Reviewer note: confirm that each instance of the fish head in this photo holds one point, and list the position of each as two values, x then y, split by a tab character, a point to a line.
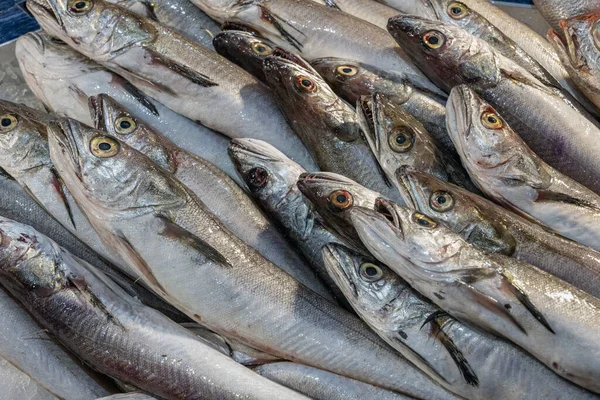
111	117
93	27
245	49
447	54
106	175
457	208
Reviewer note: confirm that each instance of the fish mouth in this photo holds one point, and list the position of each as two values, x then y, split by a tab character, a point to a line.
570	46
294	58
253	148
460	100
60	132
97	105
236	26
313	178
406	187
411	25
366	108
335	265
386	209
45	10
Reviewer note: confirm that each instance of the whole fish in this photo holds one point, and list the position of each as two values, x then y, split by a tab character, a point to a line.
398	139
185	254
64	80
115	333
219	193
540	313
315	31
327	125
183	75
564	138
271	178
511	174
26	349
579	52
494	229
459	357
322	385
555	11
368	10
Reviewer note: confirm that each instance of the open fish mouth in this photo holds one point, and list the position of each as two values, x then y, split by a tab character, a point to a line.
387	210
98	111
46	9
406	187
66	142
252	150
336	267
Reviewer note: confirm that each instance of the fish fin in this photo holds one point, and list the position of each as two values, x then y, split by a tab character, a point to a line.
59	186
140	98
398	338
176	232
550	196
276	21
183	70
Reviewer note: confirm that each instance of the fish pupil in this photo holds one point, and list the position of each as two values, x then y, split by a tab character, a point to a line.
125	124
400	139
6	122
104	146
423	222
306	82
456	10
80	5
341	198
492	120
370	271
347	70
441	199
260	48
434	40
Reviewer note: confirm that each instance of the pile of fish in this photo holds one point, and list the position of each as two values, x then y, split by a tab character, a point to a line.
294	199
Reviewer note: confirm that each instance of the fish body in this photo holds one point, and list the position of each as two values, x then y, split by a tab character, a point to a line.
556	11
368	10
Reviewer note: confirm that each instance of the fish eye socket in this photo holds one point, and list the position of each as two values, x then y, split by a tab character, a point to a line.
340	200
401	139
257	178
434	39
491	120
80	7
457	10
262	49
370	272
346	71
8	122
104	147
424	221
125	125
441	201
305	83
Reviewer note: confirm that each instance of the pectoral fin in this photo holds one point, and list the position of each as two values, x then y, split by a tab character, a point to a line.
550	196
183	70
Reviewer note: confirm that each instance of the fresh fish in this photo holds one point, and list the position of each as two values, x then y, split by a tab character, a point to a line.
327	125
271	178
398	139
511	174
565	137
376	13
64	80
115	333
183	75
579	52
460	358
494	229
185	254
26	349
552	320
322	385
315	31
555	11
219	193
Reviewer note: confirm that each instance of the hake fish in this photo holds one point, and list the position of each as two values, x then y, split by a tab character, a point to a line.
219	193
555	11
183	75
115	333
511	174
185	254
552	320
368	10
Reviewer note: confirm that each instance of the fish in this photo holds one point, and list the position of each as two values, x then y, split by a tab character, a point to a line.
115	333
326	124
579	52
181	74
219	193
322	385
538	312
376	13
64	80
512	175
555	11
397	139
271	179
36	364
564	138
314	31
460	358
188	257
494	229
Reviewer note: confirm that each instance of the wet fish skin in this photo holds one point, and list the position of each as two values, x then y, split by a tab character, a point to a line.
326	124
181	74
368	10
494	229
547	317
511	174
323	385
563	138
115	333
555	11
64	80
128	396
463	359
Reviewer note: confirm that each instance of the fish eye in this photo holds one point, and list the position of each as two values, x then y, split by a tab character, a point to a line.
305	83
457	10
424	221
104	147
257	178
80	7
346	71
370	272
125	125
434	39
340	200
441	201
401	139
262	49
491	120
8	122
